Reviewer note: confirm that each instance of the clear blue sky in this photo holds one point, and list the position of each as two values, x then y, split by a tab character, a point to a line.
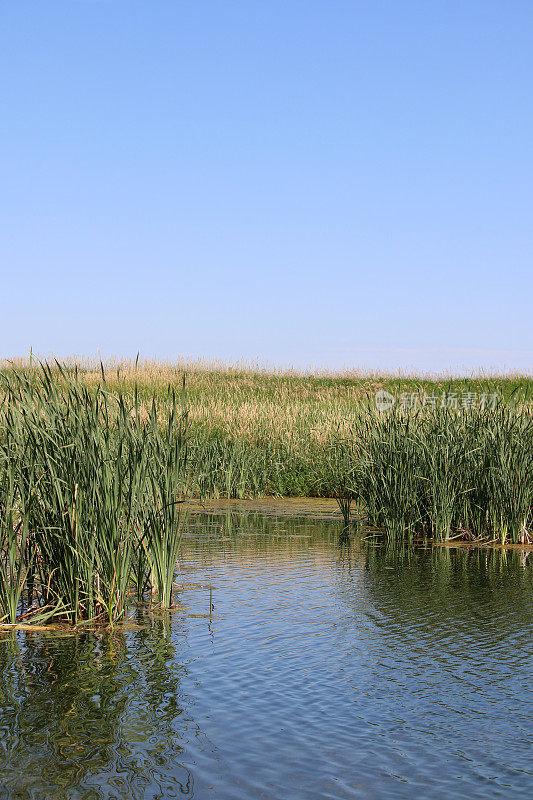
330	182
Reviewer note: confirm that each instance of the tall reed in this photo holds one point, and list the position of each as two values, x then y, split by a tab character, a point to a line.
87	493
166	472
94	467
442	473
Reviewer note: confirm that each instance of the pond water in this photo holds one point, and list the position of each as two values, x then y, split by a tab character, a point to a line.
295	666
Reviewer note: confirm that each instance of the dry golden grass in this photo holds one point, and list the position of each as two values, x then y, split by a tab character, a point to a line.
250	401
258	431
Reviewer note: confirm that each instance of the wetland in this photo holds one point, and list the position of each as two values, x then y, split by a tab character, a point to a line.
295	664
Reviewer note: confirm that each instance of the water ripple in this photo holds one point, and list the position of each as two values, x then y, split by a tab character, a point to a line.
322	672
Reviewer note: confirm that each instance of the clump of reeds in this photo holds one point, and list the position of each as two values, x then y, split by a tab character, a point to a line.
255	431
94	466
444	473
341	461
89	497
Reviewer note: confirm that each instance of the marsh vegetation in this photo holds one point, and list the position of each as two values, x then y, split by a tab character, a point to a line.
95	463
90	498
376	665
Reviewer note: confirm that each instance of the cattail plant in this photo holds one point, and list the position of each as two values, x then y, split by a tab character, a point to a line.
444	473
88	493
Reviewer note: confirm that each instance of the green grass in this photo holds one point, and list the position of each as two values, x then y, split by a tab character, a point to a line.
94	465
443	473
89	498
254	432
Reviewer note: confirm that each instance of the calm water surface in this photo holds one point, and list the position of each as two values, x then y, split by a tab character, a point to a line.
320	671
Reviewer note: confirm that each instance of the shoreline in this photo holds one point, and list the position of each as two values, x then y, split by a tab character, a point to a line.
317	508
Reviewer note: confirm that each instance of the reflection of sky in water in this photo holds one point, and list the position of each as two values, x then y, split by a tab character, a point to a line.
323	671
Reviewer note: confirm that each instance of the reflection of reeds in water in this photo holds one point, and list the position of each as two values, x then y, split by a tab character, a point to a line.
246	539
449	583
103	716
